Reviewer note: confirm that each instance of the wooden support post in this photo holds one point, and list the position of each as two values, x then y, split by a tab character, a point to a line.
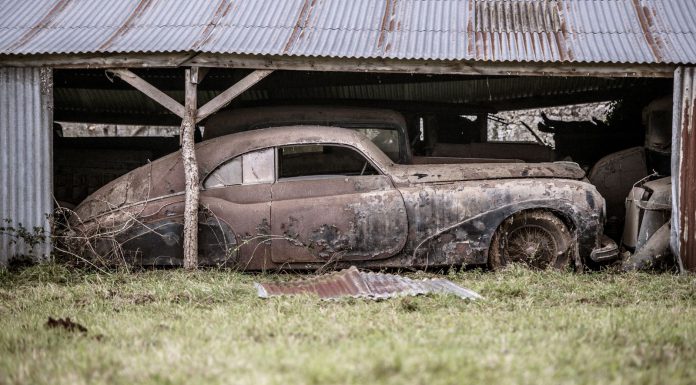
188	154
226	96
683	231
190	115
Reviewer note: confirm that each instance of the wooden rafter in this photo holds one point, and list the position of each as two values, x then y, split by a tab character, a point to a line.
179	110
151	91
228	95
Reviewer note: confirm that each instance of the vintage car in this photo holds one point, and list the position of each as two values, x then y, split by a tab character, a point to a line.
303	197
387	129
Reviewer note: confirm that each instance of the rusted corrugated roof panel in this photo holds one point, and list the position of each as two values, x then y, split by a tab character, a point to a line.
354	283
621	31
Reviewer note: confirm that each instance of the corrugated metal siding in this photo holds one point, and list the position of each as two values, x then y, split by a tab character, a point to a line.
620	31
683	240
25	152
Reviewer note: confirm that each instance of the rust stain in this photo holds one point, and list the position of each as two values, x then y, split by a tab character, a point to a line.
470	37
300	24
539	13
387	24
137	12
509	31
645	24
42	24
687	194
564	49
479	45
222	10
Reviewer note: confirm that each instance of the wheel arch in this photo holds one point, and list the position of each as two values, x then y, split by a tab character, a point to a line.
480	228
570	234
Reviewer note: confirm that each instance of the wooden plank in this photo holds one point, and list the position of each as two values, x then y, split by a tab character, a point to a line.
129	60
228	95
454	67
683	231
151	91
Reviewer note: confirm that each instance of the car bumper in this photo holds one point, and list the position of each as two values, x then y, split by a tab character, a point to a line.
607	251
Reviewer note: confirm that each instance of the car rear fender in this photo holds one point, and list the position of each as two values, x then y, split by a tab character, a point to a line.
158	241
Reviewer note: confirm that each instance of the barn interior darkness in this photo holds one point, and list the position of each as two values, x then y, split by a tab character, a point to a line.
444	114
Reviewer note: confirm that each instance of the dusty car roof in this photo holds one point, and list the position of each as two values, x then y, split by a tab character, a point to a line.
217	150
243	119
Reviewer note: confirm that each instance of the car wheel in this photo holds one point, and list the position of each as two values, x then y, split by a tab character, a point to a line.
535	238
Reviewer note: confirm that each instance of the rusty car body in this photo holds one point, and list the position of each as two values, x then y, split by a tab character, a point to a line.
302	197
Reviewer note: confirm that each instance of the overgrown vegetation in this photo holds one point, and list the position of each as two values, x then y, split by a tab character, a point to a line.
173	326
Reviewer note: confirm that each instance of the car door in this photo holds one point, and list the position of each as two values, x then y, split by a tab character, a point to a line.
238	194
330	203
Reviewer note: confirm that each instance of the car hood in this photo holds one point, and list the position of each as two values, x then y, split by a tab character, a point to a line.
441	173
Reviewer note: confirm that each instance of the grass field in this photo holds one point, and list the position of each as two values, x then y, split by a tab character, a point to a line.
176	327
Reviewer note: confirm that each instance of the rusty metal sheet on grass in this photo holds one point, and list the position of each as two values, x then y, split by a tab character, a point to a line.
358	284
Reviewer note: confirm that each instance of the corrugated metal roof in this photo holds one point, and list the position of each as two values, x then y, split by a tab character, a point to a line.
626	31
358	284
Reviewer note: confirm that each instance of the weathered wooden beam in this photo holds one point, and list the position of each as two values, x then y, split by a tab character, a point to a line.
92	60
228	95
188	155
683	230
453	67
151	91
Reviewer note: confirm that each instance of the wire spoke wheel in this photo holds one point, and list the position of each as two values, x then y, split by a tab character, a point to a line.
532	245
537	239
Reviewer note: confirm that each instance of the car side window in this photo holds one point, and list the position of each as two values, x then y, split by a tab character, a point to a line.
251	168
318	160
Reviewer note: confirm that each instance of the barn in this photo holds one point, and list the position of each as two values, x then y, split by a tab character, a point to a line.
131	61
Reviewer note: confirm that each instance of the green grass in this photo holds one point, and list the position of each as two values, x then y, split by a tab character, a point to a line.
176	327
